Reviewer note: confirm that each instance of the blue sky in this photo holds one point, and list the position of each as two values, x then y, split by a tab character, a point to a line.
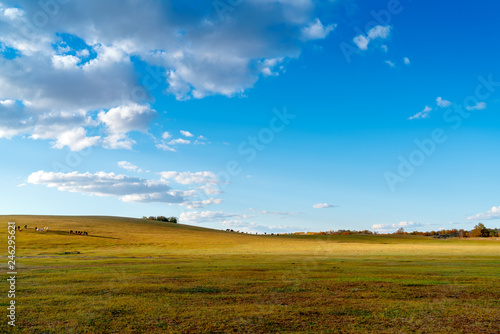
255	115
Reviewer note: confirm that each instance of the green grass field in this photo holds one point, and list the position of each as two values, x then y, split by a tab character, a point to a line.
138	276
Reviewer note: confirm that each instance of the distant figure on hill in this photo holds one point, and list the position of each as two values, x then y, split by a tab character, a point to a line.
25	226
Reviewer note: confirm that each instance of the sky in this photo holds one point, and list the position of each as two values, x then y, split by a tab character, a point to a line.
253	115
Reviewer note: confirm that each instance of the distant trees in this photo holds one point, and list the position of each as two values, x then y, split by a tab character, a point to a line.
162	219
480	231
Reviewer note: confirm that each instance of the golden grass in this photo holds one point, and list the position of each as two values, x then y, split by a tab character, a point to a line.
137	276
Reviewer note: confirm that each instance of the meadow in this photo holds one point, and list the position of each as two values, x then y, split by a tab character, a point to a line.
140	276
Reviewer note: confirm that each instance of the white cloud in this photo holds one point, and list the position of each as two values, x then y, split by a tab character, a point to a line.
393	227
252	227
479	106
165	147
442	103
268	66
210	189
422	114
118	141
128	166
361	41
179	141
166	135
390	63
190	177
317	30
126	118
378	32
11	13
186	134
494	213
278	214
203	203
406	61
324	206
76	140
231	221
385	48
65	62
127	189
195	52
208	216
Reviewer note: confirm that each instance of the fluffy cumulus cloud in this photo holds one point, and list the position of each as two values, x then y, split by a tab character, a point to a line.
128	189
378	32
316	30
393	227
324	206
133	189
73	76
494	213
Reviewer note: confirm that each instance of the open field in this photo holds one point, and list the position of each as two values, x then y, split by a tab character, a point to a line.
133	276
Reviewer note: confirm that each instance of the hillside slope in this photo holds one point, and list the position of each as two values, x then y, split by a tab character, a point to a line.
119	236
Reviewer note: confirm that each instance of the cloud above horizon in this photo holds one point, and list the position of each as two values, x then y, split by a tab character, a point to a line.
494	213
393	227
233	221
130	189
77	72
324	206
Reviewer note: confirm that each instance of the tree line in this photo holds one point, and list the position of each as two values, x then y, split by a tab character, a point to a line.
479	231
162	219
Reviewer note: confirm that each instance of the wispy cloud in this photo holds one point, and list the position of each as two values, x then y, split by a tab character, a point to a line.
393	227
442	103
422	114
494	213
479	106
128	166
324	206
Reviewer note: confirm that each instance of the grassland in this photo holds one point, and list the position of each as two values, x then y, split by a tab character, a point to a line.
136	276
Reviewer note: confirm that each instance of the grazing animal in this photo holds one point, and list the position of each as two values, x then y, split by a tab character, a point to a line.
25	226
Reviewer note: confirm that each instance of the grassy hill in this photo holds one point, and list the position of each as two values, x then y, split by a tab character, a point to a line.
133	275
